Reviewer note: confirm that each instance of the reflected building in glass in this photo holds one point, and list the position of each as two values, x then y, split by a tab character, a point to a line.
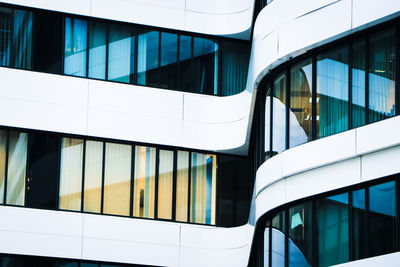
260	133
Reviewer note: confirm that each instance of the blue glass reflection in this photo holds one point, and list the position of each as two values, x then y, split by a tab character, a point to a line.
75	47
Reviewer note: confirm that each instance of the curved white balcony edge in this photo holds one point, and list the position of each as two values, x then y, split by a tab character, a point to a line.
330	163
73	235
231	18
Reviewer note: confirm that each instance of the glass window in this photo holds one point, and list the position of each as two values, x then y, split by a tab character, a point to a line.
169	59
5	35
382	218
93	176
359	225
358	84
278	113
300	239
71	174
332	92
165	184
234	69
145	171
97	50
3	155
266	244
117	179
17	154
121	54
333	230
42	171
278	240
75	47
381	75
148	58
300	111
48	44
186	68
203	188
182	186
205	53
22	39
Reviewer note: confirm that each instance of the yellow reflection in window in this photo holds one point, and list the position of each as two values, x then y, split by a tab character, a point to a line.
165	184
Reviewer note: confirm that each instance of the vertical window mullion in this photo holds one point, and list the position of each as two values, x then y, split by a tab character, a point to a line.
286	234
58	172
397	230
83	176
178	64
270	243
189	185
63	45
132	63
136	55
314	227
132	181
174	185
102	177
156	183
27	170
271	100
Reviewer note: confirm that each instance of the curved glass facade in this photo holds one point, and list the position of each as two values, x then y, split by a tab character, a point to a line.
73	173
332	228
122	52
348	84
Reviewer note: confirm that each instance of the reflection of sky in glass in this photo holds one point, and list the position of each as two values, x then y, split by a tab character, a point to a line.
382	198
169	48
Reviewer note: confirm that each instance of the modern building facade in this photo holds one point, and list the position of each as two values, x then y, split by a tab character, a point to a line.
199	133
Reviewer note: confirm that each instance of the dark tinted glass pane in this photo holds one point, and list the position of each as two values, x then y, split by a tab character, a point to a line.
279	117
97	50
11	261
59	263
382	75
5	35
278	240
382	213
300	103
121	54
300	246
48	46
169	58
332	92
42	175
333	230
235	64
186	68
359	225
75	47
358	82
148	58
205	53
22	40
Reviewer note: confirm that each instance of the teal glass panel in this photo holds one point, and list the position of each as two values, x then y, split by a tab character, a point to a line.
97	50
332	92
358	84
300	239
359	225
169	60
382	218
148	43
381	75
333	230
121	54
278	240
5	35
75	47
